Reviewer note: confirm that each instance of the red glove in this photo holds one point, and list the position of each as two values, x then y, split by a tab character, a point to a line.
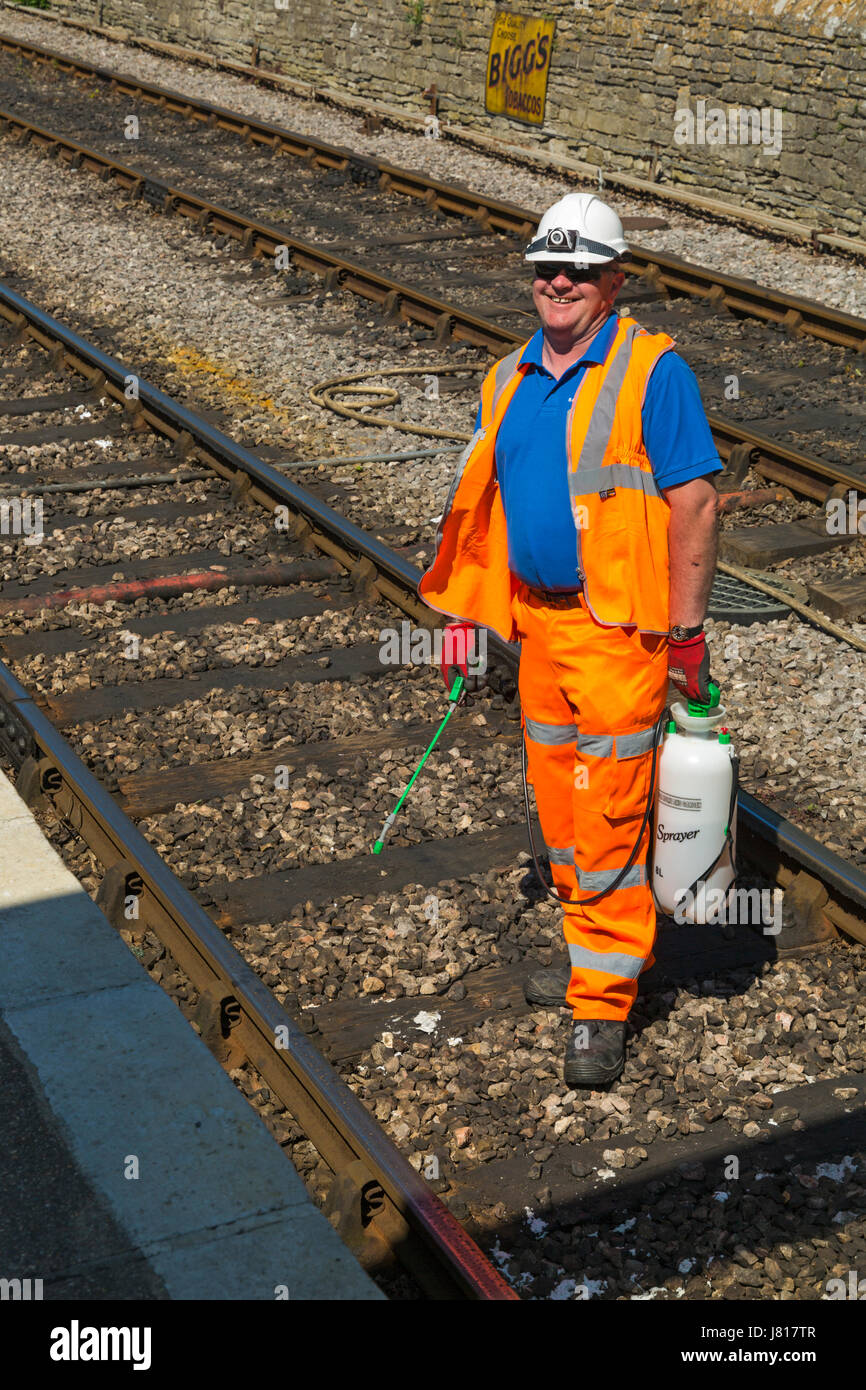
459	644
689	667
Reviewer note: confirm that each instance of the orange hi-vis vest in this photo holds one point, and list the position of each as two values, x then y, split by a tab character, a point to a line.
621	517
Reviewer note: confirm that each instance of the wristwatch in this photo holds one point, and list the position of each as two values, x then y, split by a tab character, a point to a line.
682	634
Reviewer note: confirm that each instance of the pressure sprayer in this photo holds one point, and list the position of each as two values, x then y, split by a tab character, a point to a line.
695	813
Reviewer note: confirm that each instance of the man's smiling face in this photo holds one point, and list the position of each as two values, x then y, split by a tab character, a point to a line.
573	300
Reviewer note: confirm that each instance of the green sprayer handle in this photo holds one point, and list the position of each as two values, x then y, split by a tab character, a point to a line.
453	699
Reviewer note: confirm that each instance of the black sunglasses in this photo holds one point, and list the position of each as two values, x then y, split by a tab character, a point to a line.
548	270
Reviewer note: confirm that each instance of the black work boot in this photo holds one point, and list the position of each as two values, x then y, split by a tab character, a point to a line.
548	986
595	1054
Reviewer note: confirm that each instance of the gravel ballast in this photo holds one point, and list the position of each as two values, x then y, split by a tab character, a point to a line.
830	279
728	1052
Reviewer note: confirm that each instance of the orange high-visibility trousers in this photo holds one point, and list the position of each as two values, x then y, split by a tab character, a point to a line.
591	697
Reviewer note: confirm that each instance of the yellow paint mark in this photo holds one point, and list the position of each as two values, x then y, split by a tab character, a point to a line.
191	363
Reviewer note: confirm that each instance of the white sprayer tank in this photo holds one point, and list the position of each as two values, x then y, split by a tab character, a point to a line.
692	811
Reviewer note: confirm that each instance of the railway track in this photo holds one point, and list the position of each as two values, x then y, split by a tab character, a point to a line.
245	682
668	274
380	1201
472	234
377	115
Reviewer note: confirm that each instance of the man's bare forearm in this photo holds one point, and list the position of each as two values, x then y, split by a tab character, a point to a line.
693	546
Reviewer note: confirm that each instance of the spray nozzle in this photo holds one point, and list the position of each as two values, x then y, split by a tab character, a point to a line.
699	710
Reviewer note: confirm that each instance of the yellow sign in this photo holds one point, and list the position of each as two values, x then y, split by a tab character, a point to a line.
517	67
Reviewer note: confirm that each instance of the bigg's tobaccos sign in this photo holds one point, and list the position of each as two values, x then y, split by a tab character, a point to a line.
517	67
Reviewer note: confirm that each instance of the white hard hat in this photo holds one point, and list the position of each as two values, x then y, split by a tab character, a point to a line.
580	230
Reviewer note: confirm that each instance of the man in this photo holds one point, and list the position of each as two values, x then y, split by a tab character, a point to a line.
582	523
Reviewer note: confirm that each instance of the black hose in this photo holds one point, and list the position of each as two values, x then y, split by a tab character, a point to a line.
586	902
728	840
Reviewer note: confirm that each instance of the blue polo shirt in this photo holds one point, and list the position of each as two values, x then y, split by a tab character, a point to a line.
532	465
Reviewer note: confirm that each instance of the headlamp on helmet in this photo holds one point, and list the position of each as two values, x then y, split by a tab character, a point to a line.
579	230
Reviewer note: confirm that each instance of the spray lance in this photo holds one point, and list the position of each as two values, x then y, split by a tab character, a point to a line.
453	701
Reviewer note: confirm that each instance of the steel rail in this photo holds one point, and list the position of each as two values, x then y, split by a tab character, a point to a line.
367	557
263	238
801	317
713	208
844	878
666	271
738	446
405	1214
409	1217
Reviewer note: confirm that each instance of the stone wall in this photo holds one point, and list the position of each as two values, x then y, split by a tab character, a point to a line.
620	72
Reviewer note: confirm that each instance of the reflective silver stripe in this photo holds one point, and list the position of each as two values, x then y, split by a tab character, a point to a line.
601	421
596	880
608	962
504	372
550	733
631	745
627	745
561	856
625	475
598	434
599	745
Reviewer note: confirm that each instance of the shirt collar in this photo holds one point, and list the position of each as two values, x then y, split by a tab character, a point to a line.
596	351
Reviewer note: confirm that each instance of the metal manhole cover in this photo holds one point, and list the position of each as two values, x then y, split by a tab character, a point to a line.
732	601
